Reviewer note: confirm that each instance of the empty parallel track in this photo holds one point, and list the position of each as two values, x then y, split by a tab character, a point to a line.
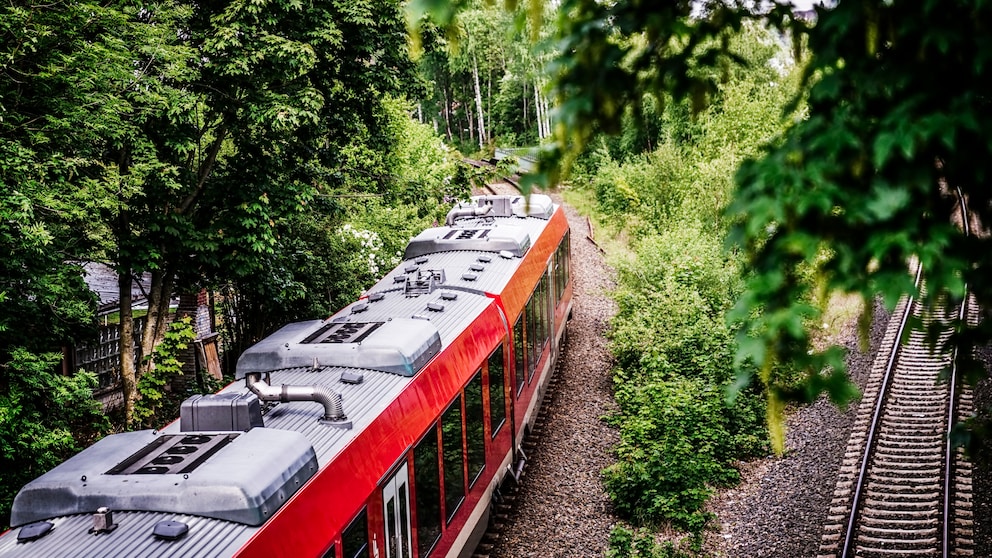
902	489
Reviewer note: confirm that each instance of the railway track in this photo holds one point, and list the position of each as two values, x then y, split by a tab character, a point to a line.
902	490
513	180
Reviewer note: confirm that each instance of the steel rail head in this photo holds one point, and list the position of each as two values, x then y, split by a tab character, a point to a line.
952	407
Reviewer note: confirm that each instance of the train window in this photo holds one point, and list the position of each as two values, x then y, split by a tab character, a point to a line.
561	267
331	553
542	314
427	486
548	305
568	258
538	321
555	267
454	459
518	352
530	336
497	403
355	540
475	433
405	523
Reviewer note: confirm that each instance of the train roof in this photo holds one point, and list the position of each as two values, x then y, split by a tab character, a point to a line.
157	484
479	247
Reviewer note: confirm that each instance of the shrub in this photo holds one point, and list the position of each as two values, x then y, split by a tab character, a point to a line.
676	442
628	543
674	353
157	403
33	436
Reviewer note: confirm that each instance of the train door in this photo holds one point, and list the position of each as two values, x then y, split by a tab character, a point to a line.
396	514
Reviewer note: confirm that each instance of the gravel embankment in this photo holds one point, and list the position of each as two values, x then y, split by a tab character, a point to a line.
777	509
562	510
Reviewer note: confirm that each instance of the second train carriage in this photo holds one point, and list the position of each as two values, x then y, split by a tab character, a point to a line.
382	431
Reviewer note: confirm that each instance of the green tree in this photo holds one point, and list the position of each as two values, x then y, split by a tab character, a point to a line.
326	256
46	229
182	138
45	418
290	107
860	187
197	130
487	79
896	116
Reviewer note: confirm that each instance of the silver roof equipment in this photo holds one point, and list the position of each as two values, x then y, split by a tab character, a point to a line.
397	345
471	226
242	477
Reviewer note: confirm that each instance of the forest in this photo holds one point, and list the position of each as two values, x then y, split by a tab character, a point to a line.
746	164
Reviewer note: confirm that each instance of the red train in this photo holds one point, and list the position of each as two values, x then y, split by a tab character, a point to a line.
383	431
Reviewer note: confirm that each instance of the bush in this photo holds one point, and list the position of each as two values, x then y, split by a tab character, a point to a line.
676	442
689	255
158	403
34	437
627	543
648	187
674	350
674	354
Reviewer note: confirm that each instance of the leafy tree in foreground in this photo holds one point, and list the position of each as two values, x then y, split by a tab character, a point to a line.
45	418
193	132
46	229
897	116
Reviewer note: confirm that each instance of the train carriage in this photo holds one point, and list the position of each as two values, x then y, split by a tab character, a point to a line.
382	431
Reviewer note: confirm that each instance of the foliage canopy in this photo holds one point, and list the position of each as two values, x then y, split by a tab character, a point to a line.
897	116
205	144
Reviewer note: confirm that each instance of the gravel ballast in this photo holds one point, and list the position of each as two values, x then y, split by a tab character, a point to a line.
561	508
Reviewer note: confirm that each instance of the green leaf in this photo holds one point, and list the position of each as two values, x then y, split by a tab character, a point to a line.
887	202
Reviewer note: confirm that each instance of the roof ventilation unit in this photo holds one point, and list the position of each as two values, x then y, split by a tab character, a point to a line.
492	238
242	477
398	346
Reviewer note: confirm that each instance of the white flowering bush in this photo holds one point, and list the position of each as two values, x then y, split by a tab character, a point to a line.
367	248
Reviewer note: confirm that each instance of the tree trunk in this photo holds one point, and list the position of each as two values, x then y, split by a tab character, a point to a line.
129	381
544	112
478	104
470	123
547	116
159	297
489	102
523	123
446	111
537	108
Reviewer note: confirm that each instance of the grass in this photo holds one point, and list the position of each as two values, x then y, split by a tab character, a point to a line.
839	320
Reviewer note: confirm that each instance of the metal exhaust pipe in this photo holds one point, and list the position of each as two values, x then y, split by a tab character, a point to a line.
330	399
463	212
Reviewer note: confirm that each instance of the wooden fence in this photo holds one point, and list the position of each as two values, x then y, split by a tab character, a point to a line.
102	356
